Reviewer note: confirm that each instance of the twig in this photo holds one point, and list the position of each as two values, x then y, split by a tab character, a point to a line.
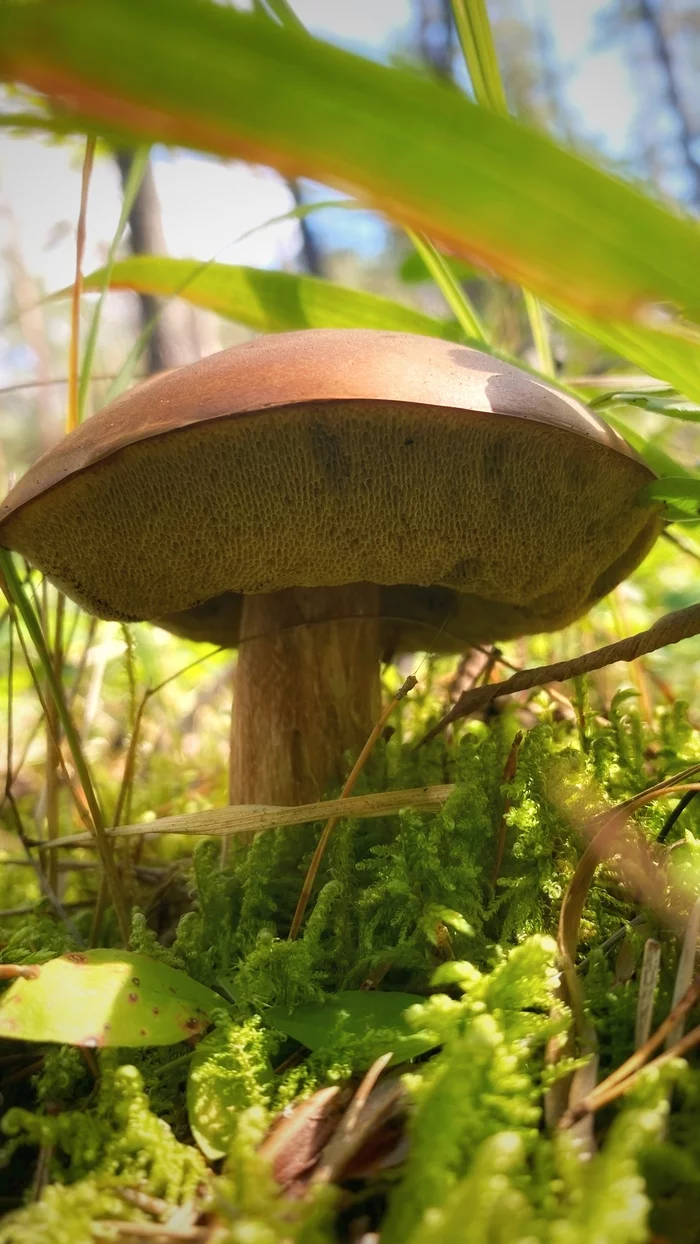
347	789
669	629
349	1136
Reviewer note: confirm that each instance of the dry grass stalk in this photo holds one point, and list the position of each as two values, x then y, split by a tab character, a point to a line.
247	818
622	1079
686	969
651	964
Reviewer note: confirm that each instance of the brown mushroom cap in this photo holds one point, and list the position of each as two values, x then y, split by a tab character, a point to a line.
329	457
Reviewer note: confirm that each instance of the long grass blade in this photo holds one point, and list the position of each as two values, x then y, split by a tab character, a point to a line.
136	173
16	594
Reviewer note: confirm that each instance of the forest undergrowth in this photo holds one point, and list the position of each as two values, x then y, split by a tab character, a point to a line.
461	910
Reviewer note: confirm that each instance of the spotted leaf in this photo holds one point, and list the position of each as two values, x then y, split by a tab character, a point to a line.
106	997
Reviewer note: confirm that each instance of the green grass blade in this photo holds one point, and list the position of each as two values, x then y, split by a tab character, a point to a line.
476	39
665	357
131	189
265	300
452	292
540	333
18	596
231	83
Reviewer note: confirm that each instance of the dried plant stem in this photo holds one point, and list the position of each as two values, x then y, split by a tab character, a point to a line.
686	969
651	964
592	1103
249	818
670	629
622	1078
347	790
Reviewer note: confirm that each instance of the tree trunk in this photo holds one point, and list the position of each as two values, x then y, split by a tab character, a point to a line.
306	691
167	345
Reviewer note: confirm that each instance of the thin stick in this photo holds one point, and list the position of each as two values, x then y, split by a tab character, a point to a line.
669	629
74	353
347	790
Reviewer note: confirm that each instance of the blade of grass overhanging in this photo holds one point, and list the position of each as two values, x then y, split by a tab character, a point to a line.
137	169
476	40
266	300
540	333
285	15
661	356
232	83
479	51
74	352
26	612
457	300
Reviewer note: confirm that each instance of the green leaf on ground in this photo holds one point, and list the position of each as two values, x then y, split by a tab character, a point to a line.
106	997
369	1024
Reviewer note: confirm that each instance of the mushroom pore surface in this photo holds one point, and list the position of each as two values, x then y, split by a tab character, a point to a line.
528	524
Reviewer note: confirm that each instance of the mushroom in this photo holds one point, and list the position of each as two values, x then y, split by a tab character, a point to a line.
317	499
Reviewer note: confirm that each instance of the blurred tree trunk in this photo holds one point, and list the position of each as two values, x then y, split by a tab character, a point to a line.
436	36
168	344
649	14
310	249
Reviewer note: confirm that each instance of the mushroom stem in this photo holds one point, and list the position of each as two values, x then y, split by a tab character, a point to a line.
306	691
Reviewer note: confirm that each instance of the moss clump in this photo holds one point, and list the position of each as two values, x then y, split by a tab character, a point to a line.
412	902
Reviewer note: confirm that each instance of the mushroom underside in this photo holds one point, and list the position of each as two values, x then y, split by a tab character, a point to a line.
318	537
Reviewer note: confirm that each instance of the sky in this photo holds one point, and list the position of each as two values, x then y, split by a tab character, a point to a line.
207	205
